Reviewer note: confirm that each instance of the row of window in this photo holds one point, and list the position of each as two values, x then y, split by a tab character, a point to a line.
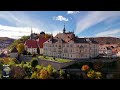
67	45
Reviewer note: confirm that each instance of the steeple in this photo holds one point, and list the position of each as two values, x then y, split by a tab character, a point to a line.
64	30
31	33
51	37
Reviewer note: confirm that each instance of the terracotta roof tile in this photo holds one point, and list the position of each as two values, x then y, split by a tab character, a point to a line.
31	43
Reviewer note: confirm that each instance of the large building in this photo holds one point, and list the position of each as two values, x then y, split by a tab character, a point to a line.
67	45
34	45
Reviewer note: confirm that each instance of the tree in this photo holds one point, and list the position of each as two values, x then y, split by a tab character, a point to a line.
38	51
50	69
34	75
20	47
54	58
17	72
43	74
62	73
34	62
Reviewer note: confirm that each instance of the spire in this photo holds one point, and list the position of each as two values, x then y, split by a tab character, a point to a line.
31	33
51	37
64	28
31	30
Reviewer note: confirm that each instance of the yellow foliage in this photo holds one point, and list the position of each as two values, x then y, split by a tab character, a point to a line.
20	47
43	74
50	69
34	75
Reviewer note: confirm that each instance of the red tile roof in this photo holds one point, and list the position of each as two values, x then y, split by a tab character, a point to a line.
41	41
31	43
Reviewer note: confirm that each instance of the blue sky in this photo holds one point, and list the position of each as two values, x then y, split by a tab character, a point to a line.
15	24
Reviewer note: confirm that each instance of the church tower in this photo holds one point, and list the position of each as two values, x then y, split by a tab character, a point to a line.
31	36
64	30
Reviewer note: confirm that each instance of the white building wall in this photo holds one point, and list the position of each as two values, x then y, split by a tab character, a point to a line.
13	55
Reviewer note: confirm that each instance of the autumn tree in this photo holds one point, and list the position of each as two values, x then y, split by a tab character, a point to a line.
43	74
47	35
17	72
50	69
20	47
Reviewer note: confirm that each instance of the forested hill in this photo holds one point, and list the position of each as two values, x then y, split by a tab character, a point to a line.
107	40
3	39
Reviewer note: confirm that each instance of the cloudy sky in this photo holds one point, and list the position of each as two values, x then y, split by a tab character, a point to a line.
15	24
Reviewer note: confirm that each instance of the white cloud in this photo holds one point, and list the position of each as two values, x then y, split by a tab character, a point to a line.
93	18
19	18
16	32
60	18
73	12
108	33
22	24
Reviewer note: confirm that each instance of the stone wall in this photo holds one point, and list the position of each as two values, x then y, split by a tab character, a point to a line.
56	65
25	58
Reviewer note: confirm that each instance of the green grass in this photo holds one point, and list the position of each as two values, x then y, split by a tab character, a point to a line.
56	59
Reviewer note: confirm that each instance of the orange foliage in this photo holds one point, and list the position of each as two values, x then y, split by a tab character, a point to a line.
85	67
43	74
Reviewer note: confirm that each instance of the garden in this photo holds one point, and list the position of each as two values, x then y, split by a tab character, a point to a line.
60	60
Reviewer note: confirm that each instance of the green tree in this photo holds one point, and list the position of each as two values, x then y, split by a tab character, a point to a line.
62	73
34	62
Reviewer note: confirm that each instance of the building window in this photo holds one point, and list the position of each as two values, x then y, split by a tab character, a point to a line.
67	45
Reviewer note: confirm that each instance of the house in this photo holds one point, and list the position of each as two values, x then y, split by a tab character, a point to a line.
105	50
35	46
14	53
40	42
67	45
31	46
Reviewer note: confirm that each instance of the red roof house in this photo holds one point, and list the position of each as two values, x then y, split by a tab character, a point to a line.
31	43
41	41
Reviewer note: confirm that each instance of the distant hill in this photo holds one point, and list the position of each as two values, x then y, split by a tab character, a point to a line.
5	42
107	40
2	39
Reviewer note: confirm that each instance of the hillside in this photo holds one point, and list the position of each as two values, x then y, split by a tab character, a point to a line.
107	40
2	39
